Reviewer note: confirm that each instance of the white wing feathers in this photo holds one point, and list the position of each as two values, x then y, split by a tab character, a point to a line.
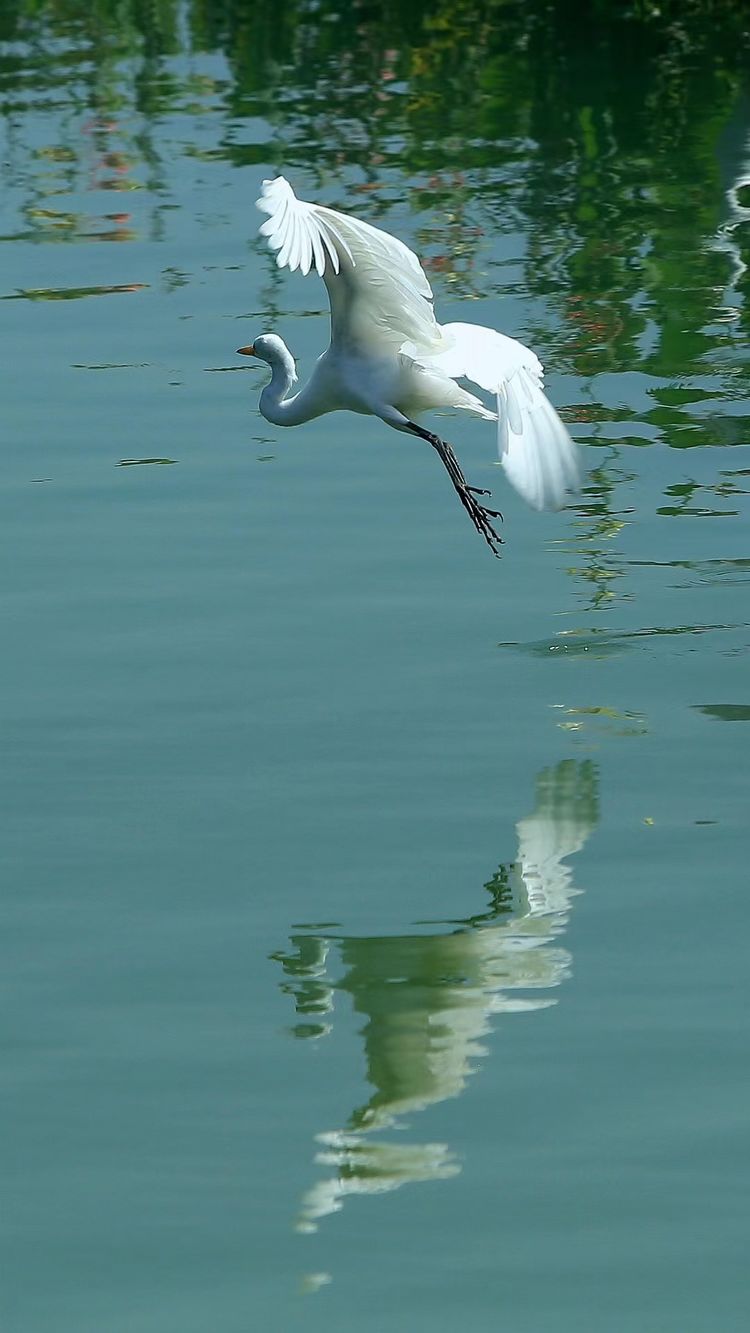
534	446
536	451
381	302
300	233
376	285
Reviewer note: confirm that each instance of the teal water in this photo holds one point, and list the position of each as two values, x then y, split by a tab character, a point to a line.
374	911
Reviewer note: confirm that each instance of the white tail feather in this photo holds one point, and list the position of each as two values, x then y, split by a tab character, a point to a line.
534	447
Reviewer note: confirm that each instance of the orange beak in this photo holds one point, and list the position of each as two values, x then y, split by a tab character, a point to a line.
246	351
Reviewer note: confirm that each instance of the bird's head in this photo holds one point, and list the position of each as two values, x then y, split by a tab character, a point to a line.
272	349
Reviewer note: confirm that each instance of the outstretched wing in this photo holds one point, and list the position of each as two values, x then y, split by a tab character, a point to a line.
380	297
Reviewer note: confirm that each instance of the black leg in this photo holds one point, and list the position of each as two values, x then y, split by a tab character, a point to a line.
479	515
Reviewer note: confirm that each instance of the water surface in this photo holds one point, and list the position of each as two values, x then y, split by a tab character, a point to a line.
374	910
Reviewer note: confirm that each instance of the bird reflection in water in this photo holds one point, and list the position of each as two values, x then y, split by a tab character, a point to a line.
427	999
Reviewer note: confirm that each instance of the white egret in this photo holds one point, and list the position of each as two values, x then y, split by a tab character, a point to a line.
388	357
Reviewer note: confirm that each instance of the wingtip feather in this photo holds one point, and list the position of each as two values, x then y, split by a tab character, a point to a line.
541	460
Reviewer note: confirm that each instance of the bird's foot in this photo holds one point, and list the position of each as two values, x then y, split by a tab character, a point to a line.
475	490
479	514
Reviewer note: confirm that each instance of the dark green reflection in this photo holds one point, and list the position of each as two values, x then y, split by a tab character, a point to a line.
71	293
427	998
625	173
726	712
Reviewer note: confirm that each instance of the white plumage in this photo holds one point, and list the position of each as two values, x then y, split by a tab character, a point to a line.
389	357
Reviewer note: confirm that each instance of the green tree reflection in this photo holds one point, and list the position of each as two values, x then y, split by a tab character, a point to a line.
589	157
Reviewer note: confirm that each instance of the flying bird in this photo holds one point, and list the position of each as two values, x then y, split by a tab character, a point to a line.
388	357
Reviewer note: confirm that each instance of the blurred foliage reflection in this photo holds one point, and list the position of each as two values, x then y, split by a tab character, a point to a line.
590	160
615	169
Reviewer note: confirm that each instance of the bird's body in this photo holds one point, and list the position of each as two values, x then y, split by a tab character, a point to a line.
388	357
346	381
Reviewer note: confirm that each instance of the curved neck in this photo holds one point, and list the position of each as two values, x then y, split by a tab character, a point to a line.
274	404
